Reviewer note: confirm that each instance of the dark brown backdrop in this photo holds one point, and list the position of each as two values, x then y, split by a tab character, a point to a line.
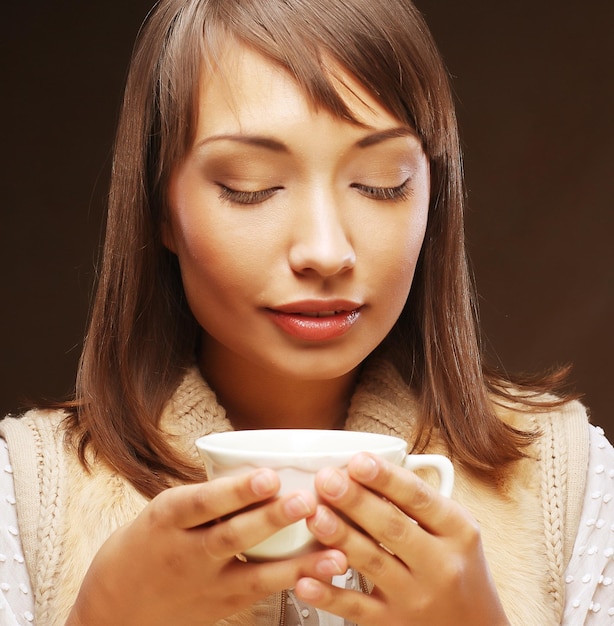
536	96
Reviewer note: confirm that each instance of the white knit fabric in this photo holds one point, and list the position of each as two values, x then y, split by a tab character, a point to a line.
16	601
590	574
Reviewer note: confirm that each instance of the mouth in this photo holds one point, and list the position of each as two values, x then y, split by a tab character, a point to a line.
317	321
319	313
319	308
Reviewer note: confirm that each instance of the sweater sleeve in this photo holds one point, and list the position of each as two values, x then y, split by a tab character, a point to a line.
590	574
16	602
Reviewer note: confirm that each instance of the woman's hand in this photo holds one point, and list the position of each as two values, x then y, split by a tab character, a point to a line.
175	563
431	572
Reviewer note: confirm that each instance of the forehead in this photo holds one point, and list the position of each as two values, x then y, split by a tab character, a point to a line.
244	88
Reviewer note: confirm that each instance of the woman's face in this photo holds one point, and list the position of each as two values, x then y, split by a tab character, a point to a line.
297	233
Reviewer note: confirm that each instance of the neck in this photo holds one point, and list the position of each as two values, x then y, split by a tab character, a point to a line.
254	398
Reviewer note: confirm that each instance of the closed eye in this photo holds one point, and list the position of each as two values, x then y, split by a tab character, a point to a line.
238	196
400	192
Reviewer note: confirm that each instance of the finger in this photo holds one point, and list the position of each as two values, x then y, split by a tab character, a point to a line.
412	495
388	529
436	515
354	606
248	528
365	553
189	506
259	580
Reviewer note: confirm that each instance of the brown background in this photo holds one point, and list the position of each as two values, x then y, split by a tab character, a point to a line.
534	82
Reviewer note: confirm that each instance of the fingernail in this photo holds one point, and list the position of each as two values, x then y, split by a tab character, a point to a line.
329	567
308	589
263	483
325	523
365	467
297	507
335	483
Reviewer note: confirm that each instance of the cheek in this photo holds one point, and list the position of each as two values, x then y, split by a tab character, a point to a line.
398	249
398	255
399	278
212	262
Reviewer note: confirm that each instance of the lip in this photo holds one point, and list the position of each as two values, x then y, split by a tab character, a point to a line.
316	320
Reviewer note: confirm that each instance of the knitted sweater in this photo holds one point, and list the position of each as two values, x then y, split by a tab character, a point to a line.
528	522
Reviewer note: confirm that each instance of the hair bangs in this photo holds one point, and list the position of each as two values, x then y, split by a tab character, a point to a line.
387	50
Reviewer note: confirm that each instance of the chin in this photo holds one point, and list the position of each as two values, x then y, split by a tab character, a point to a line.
319	367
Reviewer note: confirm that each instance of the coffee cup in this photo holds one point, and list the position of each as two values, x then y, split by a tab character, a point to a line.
297	455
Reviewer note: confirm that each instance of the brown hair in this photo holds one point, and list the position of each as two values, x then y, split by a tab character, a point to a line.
142	335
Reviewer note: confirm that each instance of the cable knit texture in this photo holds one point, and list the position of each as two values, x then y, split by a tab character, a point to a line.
528	522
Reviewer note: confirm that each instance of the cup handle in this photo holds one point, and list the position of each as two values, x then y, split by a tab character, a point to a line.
440	463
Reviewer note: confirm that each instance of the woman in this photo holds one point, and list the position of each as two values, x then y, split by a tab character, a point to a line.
285	249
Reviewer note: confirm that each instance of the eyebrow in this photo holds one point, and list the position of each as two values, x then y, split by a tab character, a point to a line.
259	141
274	145
383	135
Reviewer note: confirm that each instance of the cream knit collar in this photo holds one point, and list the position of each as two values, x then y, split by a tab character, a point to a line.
380	403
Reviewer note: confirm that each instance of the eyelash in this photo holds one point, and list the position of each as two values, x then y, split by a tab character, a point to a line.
245	197
390	194
400	192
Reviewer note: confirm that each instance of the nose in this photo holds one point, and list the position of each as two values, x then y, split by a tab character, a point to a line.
321	243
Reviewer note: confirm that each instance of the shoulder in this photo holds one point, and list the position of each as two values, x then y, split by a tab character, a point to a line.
524	410
34	445
562	428
38	415
561	452
34	425
35	441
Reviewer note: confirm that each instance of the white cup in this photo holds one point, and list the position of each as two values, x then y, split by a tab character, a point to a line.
297	455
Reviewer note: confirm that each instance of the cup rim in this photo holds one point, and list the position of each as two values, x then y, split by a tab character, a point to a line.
216	443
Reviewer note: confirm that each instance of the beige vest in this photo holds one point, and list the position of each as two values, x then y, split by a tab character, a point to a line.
528	524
